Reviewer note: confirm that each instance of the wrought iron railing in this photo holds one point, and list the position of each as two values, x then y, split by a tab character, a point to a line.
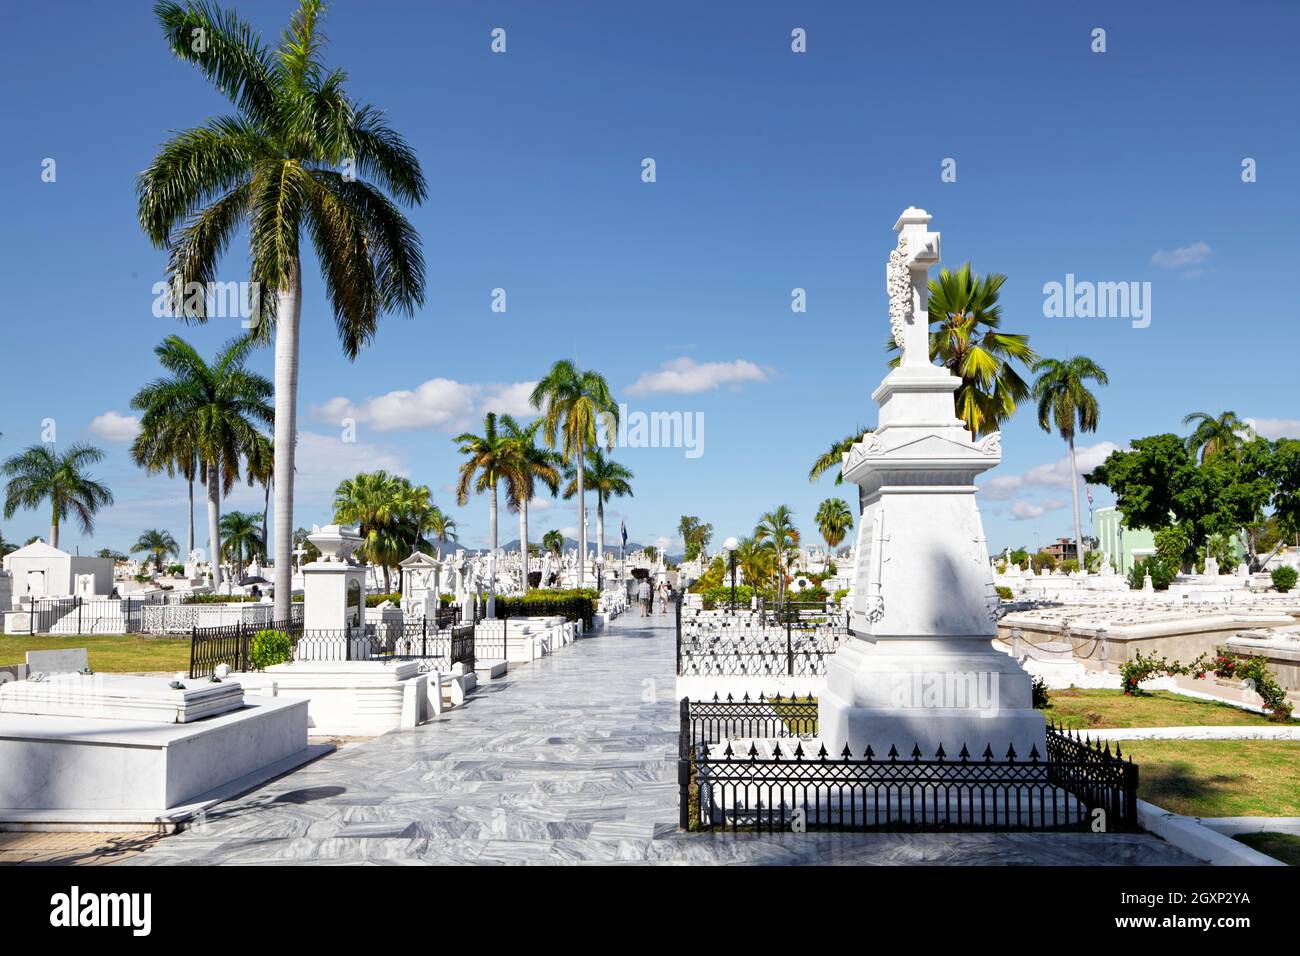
418	640
754	644
753	765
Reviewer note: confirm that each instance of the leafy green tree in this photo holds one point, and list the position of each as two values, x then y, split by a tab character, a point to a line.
695	535
39	474
157	543
834	519
966	337
220	407
1061	390
832	459
241	539
293	160
572	401
378	503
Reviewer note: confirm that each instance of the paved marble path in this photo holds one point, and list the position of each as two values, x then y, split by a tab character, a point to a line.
569	759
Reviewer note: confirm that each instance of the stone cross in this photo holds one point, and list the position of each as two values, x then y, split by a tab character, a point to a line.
908	285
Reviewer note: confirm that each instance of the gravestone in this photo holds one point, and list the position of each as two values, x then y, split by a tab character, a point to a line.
64	660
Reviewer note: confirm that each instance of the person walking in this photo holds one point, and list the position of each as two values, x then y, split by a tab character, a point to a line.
663	597
643	595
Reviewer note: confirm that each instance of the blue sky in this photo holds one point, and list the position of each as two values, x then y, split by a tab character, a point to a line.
775	170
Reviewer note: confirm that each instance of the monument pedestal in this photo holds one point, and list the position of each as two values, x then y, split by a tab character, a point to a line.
921	670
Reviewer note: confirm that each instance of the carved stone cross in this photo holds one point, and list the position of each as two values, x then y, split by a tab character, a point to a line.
908	285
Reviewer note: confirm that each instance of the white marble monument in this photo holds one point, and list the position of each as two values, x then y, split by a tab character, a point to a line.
921	669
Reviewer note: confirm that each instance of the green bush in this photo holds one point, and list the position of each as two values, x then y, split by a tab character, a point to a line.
1172	547
1254	671
269	647
1143	667
374	600
1284	578
1043	559
571	603
1069	565
841	594
1004	593
1042	699
1161	574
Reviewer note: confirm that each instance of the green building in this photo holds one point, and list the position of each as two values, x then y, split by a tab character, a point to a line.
1123	546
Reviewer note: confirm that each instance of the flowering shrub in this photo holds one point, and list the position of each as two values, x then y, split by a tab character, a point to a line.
1145	667
1257	677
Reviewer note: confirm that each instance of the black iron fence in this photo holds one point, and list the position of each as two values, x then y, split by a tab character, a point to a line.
757	645
755	765
237	645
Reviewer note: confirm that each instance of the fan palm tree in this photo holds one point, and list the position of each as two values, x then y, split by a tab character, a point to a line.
776	532
531	464
967	339
834	519
833	457
241	539
608	479
755	562
39	474
1063	398
441	525
157	543
1213	435
273	166
572	401
219	405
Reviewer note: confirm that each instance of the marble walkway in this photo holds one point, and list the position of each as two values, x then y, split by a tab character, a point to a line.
569	759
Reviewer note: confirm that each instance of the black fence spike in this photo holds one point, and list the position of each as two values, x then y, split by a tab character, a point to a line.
893	752
965	754
730	700
1118	755
870	754
753	751
1011	752
1033	753
916	751
762	697
846	753
776	750
729	752
821	753
939	754
988	751
716	699
798	751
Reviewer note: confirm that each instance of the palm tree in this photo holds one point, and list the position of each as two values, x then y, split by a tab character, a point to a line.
170	450
373	500
834	519
219	406
241	539
40	474
776	532
755	562
491	457
553	542
966	338
695	535
441	525
274	167
156	543
608	479
1063	397
573	401
833	457
531	464
1212	436
651	553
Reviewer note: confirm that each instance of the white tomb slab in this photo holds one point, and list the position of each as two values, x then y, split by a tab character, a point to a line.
121	697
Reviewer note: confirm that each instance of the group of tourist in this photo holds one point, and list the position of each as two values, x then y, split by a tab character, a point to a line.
646	594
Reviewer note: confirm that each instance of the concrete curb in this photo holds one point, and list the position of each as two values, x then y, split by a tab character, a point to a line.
1194	733
1192	836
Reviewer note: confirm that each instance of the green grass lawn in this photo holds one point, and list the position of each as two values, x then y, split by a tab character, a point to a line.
1280	846
118	653
1219	778
1089	709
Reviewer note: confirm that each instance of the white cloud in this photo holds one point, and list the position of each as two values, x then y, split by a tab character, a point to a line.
685	376
1275	428
1057	474
1182	257
112	426
570	532
437	403
1023	510
1001	487
322	461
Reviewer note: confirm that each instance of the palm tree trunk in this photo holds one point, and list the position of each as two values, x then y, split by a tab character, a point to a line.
1074	489
523	540
189	548
492	554
266	508
54	523
600	528
287	318
214	523
582	518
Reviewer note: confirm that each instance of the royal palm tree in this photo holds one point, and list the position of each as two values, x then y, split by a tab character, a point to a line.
529	465
967	339
220	406
608	479
833	457
776	532
695	535
572	401
441	525
1213	435
834	519
241	539
172	451
1061	391
39	474
490	458
755	562
293	160
156	543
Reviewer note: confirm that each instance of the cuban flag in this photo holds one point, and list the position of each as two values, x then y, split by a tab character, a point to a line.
622	529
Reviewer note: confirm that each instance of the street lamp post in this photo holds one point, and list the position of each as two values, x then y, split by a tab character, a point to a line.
730	546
